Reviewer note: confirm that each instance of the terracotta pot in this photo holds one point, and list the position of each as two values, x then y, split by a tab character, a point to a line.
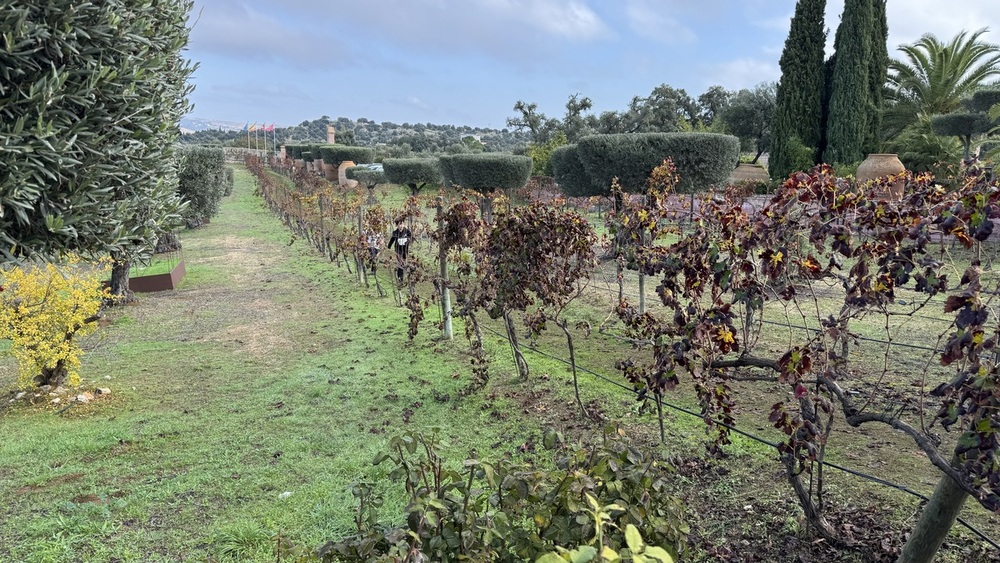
342	174
879	166
330	172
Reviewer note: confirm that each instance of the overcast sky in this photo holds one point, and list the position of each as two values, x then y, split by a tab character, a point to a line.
466	62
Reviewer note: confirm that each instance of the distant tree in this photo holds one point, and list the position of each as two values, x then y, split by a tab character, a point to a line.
713	104
539	127
574	124
750	115
878	73
851	103
94	93
541	154
798	101
473	144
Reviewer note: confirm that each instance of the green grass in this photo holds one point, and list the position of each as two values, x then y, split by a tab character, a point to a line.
267	372
272	371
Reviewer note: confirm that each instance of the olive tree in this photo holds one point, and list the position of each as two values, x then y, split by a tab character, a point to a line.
92	97
415	173
702	159
369	177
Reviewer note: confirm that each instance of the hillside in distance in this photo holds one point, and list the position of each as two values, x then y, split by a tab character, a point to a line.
399	139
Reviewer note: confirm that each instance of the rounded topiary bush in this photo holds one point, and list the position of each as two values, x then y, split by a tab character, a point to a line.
491	171
370	177
570	174
336	154
295	150
413	172
702	159
447	169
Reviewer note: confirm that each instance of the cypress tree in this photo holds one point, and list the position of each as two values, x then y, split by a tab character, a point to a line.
798	106
851	102
878	70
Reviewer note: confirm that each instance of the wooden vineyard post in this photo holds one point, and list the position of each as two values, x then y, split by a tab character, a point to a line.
445	292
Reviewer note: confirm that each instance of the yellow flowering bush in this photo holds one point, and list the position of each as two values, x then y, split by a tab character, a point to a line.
44	310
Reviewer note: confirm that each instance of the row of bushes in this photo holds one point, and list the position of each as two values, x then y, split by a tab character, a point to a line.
583	169
203	180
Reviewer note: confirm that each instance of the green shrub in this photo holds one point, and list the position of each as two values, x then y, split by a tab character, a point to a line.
491	171
228	182
306	154
201	182
800	157
702	159
569	173
413	172
486	510
295	151
447	169
335	154
369	177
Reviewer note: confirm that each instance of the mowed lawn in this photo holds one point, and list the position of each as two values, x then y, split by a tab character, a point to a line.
243	406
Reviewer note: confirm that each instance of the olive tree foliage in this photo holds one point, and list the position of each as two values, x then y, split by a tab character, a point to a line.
570	174
749	116
90	99
201	182
702	159
489	172
336	154
415	173
368	177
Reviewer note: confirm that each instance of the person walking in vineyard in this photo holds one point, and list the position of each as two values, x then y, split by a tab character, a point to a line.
400	237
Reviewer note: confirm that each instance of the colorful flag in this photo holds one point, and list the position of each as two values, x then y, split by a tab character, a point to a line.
253	127
270	128
245	125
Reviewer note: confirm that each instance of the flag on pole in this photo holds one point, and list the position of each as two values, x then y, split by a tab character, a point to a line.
253	127
270	128
245	126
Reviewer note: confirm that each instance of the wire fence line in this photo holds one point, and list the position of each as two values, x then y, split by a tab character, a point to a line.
614	291
853	472
748	435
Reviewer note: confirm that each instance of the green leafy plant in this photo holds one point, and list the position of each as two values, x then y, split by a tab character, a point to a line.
504	512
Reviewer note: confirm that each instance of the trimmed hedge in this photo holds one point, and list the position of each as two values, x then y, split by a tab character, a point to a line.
413	172
336	154
367	176
702	159
960	124
447	169
202	181
983	100
295	151
569	173
491	171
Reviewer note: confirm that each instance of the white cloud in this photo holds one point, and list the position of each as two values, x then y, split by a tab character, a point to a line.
743	73
653	21
568	19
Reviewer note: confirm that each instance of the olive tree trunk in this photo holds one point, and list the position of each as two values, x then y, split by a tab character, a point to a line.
120	292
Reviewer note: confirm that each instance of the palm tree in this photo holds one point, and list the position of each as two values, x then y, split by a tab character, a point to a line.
934	77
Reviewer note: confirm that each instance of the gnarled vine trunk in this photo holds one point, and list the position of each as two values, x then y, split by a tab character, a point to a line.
522	364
